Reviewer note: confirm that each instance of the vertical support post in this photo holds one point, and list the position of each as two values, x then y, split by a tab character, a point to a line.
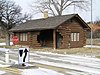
91	26
54	39
7	55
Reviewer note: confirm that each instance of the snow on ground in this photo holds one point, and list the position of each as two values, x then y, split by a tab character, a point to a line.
40	71
2	44
89	65
72	59
93	46
3	65
2	72
70	66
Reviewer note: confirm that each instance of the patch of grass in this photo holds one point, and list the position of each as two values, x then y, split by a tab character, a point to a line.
98	57
96	41
2	40
11	47
76	51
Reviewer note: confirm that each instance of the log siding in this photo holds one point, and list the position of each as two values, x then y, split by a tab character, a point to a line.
67	31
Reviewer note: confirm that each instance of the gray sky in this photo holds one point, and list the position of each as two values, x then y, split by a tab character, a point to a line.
25	4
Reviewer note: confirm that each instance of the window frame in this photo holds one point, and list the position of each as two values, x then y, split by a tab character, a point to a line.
23	37
75	36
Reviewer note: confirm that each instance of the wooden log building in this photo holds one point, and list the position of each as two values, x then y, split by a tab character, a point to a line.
67	31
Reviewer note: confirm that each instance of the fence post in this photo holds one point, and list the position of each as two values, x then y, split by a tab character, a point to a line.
7	55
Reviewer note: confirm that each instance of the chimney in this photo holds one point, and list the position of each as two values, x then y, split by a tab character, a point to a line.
45	14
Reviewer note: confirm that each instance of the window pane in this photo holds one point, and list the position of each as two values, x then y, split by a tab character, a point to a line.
71	36
23	36
77	36
26	36
74	36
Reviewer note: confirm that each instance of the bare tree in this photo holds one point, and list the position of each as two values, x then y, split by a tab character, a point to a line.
10	14
56	7
97	21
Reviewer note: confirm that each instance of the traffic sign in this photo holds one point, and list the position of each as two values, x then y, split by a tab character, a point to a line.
15	40
23	55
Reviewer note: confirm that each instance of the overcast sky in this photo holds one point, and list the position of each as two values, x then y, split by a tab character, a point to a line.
26	6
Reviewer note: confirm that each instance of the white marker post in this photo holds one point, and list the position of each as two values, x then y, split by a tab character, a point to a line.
6	51
23	56
7	55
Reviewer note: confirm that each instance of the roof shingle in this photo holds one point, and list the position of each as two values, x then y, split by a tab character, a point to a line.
42	24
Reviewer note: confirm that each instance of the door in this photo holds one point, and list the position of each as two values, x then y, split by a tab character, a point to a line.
59	40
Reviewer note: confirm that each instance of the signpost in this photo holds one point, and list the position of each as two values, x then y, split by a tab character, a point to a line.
23	56
23	53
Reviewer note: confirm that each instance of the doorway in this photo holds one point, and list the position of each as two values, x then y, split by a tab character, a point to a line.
59	40
46	38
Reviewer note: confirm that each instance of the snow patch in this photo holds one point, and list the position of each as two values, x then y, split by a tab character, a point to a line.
1	65
2	72
93	46
3	44
4	65
40	71
70	66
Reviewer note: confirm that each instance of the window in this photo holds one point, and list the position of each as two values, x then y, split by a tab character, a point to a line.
23	36
74	36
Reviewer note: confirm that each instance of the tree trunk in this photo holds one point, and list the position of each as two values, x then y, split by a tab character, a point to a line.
7	38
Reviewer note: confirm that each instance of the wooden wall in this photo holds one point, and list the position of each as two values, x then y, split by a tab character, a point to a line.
69	27
33	42
22	42
76	27
31	39
65	31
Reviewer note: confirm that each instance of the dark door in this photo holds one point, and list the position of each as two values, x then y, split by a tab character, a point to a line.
59	40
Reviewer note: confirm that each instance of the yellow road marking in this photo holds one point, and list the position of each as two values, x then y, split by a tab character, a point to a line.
13	70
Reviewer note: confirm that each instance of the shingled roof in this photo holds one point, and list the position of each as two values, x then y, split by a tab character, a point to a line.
44	23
